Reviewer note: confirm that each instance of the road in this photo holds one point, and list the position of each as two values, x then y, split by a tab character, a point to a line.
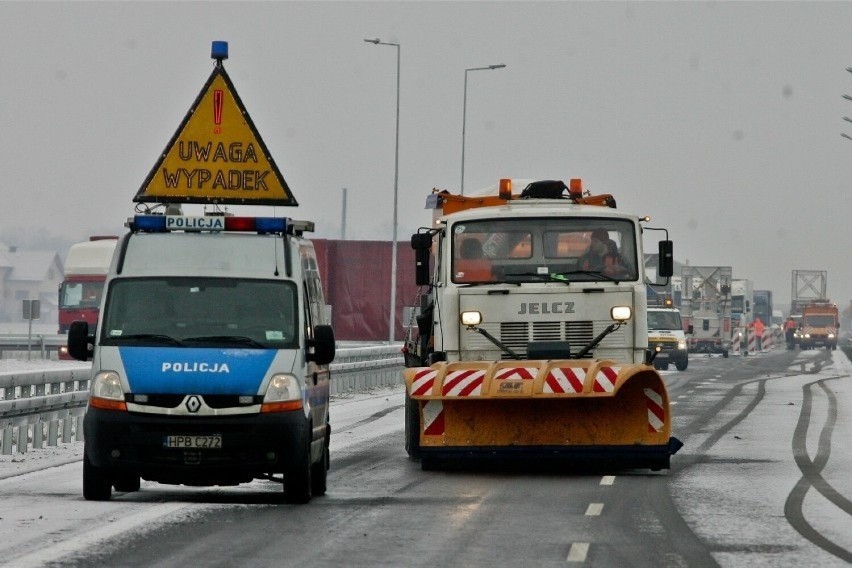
763	480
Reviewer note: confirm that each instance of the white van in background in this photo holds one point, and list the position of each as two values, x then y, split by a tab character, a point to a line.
665	330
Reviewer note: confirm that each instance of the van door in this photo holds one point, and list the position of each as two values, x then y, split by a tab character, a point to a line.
317	376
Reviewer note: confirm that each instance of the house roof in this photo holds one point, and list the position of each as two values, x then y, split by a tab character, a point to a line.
32	266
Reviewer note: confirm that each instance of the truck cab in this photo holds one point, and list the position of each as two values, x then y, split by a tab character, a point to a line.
523	266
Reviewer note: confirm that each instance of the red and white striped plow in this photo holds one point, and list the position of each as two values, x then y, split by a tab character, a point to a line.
463	382
605	378
656	411
564	380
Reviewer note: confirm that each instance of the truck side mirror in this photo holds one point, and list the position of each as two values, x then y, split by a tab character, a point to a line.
666	259
322	350
422	244
80	342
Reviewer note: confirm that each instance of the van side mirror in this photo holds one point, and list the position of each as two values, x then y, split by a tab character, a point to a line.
80	342
422	244
321	350
666	259
689	329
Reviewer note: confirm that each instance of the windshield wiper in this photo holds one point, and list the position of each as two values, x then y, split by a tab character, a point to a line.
238	339
551	277
157	337
597	273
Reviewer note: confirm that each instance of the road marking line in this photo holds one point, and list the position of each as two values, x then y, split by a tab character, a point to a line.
594	509
607	480
578	552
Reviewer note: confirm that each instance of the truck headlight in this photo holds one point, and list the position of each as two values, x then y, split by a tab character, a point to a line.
807	335
471	319
620	313
831	336
282	394
106	392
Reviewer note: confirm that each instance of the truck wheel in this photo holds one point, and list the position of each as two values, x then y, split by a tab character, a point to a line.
126	482
681	365
97	484
319	471
412	427
297	482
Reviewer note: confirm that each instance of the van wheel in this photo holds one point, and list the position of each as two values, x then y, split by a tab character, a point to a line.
297	482
126	482
681	365
97	484
412	427
319	471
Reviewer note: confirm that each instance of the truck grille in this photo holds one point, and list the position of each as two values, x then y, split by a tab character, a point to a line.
516	335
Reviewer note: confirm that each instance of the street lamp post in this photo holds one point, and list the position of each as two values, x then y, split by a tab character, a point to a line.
464	113
392	319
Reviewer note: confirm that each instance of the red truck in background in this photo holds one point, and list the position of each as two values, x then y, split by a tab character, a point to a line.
85	272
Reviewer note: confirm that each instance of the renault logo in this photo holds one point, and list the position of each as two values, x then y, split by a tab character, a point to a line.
193	404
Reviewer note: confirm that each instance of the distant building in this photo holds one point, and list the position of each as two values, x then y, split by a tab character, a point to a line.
29	275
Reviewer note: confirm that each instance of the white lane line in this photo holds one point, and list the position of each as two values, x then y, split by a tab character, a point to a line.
594	509
578	552
607	480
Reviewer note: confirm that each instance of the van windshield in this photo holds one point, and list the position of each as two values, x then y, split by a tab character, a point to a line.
201	312
664	320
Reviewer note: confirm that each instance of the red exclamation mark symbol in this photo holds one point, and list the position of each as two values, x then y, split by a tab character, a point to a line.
217	110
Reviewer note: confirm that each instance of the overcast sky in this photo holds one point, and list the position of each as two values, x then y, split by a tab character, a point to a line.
720	120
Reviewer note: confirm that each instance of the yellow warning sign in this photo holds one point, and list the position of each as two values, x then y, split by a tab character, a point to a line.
216	156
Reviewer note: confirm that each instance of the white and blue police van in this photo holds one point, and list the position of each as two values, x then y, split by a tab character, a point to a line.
210	358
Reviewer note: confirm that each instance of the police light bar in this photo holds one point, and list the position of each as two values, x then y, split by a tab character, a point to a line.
167	223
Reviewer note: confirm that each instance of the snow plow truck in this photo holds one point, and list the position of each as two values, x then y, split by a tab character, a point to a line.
531	343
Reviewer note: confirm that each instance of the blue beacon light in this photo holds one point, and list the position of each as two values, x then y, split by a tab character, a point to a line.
219	50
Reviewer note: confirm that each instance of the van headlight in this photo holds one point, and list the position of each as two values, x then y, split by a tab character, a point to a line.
283	393
681	344
106	392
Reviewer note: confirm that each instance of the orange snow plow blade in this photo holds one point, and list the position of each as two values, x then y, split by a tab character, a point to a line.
582	412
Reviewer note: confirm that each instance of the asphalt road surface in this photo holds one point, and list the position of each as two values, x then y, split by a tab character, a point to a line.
763	480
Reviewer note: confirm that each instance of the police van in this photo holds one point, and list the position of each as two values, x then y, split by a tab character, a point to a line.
210	358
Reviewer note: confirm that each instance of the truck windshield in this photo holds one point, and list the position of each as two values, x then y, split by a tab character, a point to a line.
529	249
664	320
201	312
819	320
86	294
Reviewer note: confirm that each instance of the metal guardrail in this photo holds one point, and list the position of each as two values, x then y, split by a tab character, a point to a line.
40	345
48	406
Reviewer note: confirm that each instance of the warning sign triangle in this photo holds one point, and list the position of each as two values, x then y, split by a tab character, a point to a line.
216	156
